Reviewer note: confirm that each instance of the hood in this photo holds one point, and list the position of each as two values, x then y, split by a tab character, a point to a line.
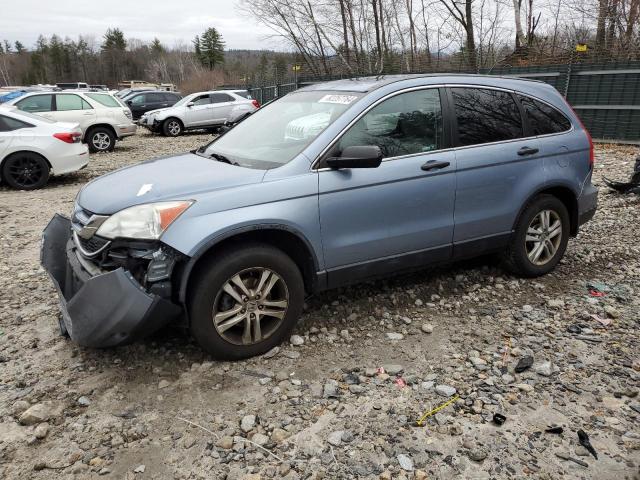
179	177
157	110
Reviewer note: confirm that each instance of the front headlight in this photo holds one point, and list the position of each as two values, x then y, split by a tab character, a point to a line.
147	221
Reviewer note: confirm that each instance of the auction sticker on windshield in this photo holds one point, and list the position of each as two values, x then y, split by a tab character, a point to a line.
341	99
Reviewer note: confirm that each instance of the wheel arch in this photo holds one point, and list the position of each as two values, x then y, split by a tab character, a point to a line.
298	248
99	125
562	192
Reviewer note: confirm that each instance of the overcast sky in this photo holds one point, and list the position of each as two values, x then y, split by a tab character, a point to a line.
169	20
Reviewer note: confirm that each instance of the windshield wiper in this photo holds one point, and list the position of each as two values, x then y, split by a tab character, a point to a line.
221	158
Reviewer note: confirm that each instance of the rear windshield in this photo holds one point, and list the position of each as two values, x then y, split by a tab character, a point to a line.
21	114
104	99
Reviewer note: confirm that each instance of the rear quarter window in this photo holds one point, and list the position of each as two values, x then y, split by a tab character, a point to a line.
543	119
103	99
8	124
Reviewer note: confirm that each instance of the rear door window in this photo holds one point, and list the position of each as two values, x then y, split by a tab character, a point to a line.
486	116
155	97
543	119
66	102
221	97
36	103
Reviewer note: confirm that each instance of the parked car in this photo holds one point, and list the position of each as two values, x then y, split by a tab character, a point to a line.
102	118
199	110
127	91
73	86
33	148
332	184
143	102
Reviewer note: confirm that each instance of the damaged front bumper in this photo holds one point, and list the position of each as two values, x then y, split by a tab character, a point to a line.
101	310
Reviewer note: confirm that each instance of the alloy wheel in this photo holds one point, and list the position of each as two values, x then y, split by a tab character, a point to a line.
174	128
250	306
544	236
25	171
101	141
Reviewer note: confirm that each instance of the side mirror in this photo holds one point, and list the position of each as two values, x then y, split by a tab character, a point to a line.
190	104
129	102
366	156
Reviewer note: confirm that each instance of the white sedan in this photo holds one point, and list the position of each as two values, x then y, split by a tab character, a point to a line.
33	148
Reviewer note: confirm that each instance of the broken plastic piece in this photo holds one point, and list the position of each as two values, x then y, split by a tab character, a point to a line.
400	382
555	429
574	329
524	364
583	438
499	419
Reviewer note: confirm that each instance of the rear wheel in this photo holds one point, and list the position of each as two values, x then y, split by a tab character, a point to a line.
540	238
25	171
100	139
172	127
245	301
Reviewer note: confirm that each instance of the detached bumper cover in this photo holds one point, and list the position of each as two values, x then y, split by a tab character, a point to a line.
105	310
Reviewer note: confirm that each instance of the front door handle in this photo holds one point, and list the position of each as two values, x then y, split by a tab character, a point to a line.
527	151
434	165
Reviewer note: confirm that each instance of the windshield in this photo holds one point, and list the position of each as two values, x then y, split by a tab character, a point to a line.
22	113
275	134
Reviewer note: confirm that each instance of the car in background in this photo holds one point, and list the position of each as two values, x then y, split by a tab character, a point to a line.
127	91
329	185
143	102
97	88
33	148
102	118
73	86
202	110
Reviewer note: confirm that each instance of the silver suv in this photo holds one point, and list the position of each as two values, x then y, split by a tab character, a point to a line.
200	110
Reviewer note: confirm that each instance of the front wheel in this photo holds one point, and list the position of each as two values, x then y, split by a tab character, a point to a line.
244	301
540	237
172	127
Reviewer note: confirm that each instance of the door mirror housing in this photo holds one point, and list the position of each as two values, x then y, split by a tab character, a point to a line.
365	156
190	104
129	102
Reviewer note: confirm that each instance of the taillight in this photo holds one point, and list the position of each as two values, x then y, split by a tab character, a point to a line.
592	155
255	103
68	137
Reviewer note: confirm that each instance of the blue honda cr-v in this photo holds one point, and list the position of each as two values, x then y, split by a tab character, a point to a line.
332	184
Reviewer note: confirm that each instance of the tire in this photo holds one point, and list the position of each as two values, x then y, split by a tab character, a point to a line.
25	171
100	139
235	336
530	258
172	127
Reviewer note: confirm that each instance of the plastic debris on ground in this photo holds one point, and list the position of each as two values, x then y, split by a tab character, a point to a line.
583	438
632	186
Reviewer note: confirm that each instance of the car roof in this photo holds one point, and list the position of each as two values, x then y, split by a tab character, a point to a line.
368	84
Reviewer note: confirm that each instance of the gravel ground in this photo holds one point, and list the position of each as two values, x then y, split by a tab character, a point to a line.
342	400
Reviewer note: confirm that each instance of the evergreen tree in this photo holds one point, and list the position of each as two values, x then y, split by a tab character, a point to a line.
156	47
19	47
211	48
7	46
114	40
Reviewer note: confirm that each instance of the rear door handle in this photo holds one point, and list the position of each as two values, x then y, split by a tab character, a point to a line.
434	165
527	151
